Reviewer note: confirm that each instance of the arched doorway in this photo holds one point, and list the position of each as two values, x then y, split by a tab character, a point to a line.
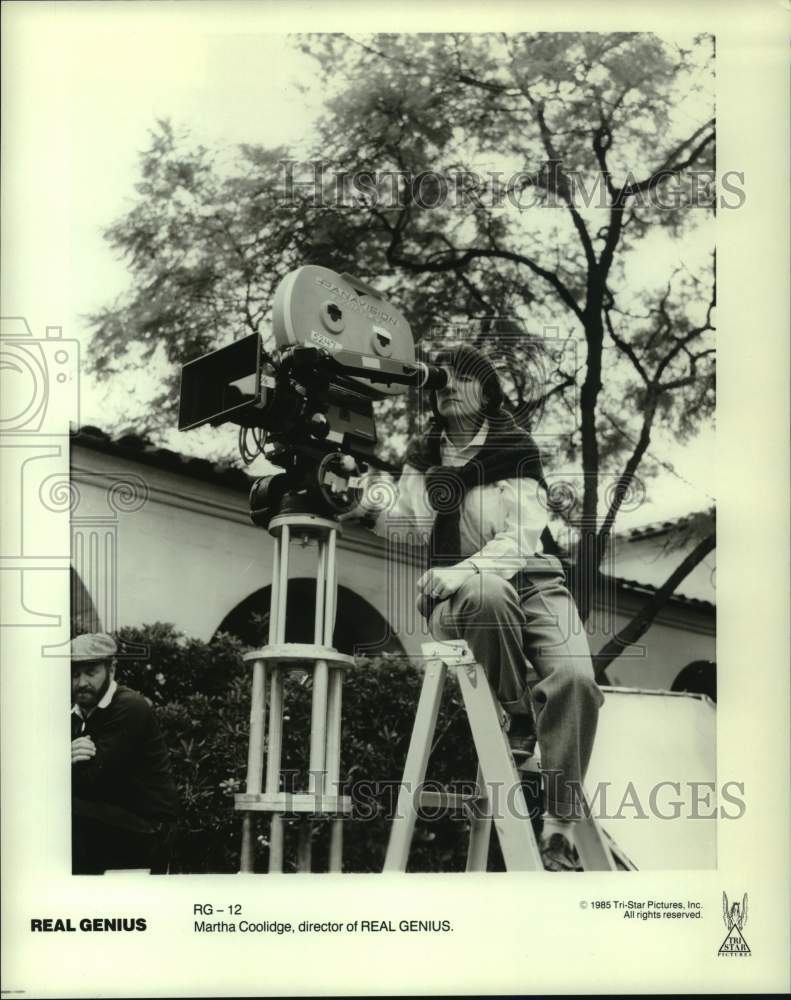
698	677
83	613
359	627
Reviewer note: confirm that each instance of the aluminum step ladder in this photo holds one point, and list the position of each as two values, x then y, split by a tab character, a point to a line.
497	781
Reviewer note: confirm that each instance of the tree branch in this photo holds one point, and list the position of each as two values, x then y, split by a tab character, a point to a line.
680	344
643	620
602	140
462	258
562	187
669	168
630	469
625	348
561	387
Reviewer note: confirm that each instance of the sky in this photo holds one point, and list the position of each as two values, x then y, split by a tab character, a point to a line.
89	90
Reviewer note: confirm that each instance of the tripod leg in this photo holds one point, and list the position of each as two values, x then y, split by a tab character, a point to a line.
318	728
333	765
276	703
274	593
273	767
247	860
255	760
255	756
276	843
332	756
257	736
304	846
282	585
480	831
415	768
318	718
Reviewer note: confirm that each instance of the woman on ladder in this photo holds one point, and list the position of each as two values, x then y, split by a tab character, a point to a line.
474	485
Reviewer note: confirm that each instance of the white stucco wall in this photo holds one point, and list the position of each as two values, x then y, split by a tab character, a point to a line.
188	554
676	637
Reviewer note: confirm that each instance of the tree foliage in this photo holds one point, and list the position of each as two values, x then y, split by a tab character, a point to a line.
529	178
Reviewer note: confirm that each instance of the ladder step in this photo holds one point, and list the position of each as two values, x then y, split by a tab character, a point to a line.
449	800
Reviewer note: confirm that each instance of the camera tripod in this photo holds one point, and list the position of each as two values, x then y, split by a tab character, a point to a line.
295	521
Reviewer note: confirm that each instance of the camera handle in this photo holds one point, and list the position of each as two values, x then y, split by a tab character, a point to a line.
263	792
360	286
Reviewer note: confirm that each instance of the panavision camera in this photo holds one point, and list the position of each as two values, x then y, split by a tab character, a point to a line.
308	406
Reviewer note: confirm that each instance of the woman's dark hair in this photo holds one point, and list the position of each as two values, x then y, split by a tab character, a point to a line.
466	360
527	362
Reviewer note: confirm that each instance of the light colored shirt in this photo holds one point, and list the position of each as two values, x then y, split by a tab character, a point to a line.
500	524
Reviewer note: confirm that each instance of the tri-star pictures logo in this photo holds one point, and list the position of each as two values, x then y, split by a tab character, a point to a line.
735	917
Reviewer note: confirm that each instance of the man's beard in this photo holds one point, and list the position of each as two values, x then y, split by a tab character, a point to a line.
94	696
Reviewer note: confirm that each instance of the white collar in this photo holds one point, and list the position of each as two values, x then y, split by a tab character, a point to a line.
105	700
473	445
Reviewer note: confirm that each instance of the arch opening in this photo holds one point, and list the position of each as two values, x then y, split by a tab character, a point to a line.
698	677
359	627
82	612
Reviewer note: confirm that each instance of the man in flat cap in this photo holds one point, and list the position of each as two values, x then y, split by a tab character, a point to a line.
124	801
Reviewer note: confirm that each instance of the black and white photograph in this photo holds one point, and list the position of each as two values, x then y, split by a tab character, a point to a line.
377	389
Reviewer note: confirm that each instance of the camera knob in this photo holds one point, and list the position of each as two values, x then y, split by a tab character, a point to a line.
319	426
332	317
382	341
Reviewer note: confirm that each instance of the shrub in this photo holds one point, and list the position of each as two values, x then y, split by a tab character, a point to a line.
201	692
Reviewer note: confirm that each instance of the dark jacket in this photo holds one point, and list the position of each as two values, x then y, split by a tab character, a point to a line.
131	769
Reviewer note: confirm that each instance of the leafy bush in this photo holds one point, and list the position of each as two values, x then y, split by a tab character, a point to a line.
201	692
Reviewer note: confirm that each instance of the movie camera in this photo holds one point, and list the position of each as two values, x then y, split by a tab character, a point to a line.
309	404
